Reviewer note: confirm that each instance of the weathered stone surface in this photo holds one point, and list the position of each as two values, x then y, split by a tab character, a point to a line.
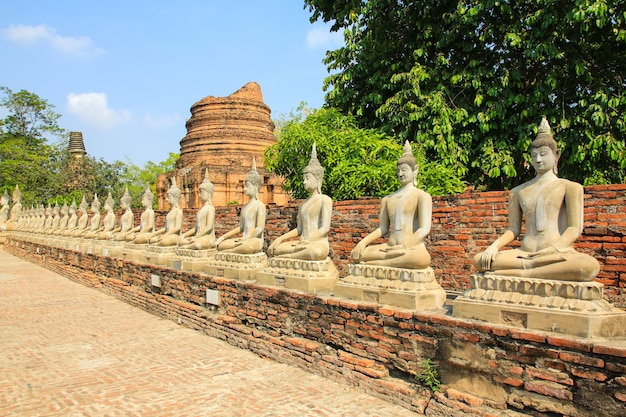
576	308
224	135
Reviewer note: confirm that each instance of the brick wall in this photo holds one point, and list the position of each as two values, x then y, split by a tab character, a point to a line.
463	225
485	369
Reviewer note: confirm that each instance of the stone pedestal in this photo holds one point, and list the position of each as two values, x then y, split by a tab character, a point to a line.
192	260
296	274
160	255
415	289
573	308
112	248
236	265
134	252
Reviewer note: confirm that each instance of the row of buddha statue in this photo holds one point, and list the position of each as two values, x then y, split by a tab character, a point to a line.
383	270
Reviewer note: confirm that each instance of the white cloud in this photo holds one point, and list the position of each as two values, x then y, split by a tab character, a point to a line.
33	35
93	108
163	122
321	37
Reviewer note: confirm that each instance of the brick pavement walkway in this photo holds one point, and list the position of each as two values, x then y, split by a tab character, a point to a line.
67	350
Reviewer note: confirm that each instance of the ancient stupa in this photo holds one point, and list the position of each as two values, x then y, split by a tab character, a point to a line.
224	135
77	145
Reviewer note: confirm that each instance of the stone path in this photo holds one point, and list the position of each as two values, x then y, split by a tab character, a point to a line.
67	350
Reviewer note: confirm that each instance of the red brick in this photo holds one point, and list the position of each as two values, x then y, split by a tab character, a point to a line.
581	360
610	350
583	373
549	389
514	382
570	343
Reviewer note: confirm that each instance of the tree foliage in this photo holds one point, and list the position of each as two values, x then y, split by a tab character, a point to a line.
26	156
136	177
44	169
358	162
469	80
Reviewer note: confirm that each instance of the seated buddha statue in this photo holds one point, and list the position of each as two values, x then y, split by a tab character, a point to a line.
127	219
203	235
15	212
169	235
4	210
108	223
405	219
551	209
251	220
95	220
141	234
309	240
82	222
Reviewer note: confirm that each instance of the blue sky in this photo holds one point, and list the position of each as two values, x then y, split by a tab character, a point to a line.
125	73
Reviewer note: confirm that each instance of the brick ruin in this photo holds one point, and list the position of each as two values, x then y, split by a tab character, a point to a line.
484	369
224	134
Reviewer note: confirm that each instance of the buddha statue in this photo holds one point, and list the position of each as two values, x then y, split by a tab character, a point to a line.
95	220
108	223
203	235
4	210
170	234
127	219
55	219
552	210
82	222
142	233
251	220
313	220
15	212
405	218
72	220
63	218
42	216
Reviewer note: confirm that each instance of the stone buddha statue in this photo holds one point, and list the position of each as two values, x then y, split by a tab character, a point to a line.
42	216
170	234
55	219
203	235
405	218
82	222
552	209
4	210
251	220
127	220
14	214
141	234
313	220
72	220
108	223
64	218
95	220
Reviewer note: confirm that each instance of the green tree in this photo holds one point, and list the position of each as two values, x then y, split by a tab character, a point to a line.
26	157
470	80
136	177
358	162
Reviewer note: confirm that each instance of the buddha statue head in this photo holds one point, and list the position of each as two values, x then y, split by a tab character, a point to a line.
315	168
173	193
95	204
545	138
407	158
147	199
83	205
17	195
254	180
109	203
207	186
126	199
4	200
